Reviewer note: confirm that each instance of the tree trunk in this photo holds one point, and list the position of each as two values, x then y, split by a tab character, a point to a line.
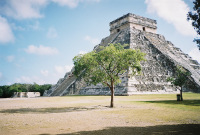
112	95
181	94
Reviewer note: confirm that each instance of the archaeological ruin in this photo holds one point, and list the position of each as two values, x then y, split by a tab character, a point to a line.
26	94
162	58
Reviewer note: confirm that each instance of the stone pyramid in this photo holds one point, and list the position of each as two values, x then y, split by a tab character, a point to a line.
162	58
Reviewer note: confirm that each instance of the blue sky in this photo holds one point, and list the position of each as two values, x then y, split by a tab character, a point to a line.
39	38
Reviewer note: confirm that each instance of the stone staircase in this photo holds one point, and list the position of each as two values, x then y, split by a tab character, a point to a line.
64	86
107	40
175	55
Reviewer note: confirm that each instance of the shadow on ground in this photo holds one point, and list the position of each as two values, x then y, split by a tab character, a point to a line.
174	102
51	110
183	129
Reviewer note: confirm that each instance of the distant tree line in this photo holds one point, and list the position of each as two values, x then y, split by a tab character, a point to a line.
8	90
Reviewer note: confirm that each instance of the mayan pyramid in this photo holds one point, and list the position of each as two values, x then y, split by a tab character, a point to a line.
162	58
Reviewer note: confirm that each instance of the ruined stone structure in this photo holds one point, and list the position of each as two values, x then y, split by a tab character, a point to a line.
133	21
26	94
162	58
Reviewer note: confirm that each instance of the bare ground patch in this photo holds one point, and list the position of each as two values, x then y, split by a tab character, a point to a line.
91	115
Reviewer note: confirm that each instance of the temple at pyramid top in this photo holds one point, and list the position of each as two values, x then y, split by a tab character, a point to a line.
133	21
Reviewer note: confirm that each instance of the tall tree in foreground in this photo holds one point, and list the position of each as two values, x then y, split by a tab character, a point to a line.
194	16
106	65
180	79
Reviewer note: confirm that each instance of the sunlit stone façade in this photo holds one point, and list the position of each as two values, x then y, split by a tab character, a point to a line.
162	58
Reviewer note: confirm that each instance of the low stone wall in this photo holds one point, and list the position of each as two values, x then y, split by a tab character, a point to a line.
26	94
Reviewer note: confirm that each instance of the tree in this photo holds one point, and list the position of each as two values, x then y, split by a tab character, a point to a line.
180	79
5	91
195	18
106	65
1	92
44	87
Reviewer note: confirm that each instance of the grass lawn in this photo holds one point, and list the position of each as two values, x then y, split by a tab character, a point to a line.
137	114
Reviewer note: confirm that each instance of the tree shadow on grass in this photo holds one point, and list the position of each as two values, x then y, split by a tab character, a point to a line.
184	102
182	129
50	110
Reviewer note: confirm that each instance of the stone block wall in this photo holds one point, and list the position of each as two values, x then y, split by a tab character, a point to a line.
26	94
133	21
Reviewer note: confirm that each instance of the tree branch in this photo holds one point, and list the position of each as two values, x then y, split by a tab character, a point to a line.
107	84
104	68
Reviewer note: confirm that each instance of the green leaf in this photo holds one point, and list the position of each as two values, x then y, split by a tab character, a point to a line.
106	65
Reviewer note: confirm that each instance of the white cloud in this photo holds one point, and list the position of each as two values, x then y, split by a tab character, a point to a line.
44	72
63	69
34	26
10	58
174	12
195	54
15	27
52	33
9	83
34	79
69	3
1	75
82	52
23	9
24	79
93	41
27	9
6	34
41	50
72	3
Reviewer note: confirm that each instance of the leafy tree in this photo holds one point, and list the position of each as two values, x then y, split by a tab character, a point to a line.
27	87
35	88
43	88
194	16
180	79
5	91
1	92
13	88
106	65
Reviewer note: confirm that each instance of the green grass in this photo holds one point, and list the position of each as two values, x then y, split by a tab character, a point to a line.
53	113
191	100
146	107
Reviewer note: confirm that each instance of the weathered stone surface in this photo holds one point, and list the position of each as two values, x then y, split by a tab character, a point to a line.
162	58
26	94
133	21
